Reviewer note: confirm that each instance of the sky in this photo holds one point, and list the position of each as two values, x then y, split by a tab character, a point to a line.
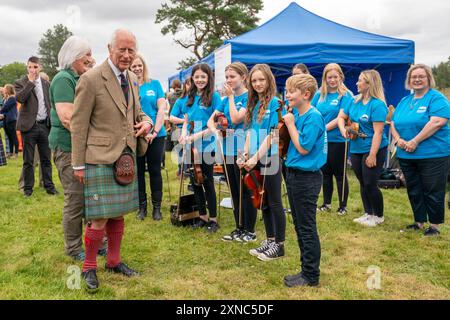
426	23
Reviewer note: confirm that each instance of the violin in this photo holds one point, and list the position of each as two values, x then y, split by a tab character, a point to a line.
222	123
353	130
254	182
283	133
196	168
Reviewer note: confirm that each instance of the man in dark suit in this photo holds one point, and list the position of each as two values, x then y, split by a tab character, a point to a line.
34	123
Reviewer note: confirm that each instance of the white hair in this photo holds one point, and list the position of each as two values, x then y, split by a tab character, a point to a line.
73	49
114	36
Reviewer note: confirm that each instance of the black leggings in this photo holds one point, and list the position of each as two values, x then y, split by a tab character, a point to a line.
371	195
247	209
153	157
273	212
334	167
10	130
206	193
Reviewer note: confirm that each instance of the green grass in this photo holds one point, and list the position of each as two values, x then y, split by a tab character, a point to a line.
178	263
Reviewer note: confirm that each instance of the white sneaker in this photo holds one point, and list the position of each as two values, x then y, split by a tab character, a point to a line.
373	221
364	217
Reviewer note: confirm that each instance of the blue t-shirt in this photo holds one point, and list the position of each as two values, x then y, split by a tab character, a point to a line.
177	109
260	129
150	93
312	137
411	115
200	114
231	144
365	114
329	107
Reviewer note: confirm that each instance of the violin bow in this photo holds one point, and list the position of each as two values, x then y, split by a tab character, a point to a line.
225	168
240	192
345	170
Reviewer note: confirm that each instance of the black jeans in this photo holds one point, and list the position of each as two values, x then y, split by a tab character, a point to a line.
426	181
303	191
37	135
371	196
335	167
10	130
247	209
206	193
273	212
153	157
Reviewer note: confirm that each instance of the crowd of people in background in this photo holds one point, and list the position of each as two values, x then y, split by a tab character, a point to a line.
86	118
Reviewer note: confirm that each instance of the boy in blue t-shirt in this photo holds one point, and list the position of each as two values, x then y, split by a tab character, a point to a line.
307	153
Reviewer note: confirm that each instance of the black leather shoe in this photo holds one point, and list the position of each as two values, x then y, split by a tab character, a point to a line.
157	213
90	277
123	269
300	282
28	193
52	192
142	213
292	277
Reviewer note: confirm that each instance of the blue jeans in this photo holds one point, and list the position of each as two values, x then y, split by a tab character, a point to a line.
303	191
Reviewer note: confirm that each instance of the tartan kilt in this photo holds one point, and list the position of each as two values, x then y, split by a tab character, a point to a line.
2	153
104	198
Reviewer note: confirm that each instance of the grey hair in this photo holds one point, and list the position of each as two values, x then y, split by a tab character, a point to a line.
113	40
73	49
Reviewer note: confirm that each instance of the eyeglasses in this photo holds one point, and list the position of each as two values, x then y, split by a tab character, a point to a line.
418	77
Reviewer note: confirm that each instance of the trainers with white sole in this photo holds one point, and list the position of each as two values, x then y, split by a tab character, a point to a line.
373	221
364	217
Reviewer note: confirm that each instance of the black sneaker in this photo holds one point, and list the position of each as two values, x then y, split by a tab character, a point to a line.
200	223
265	244
342	211
236	233
292	277
247	237
325	208
430	232
299	282
275	251
212	227
90	278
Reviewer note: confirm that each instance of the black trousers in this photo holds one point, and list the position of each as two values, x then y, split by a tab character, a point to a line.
303	191
335	167
246	206
153	157
273	212
205	195
426	181
10	130
371	196
37	135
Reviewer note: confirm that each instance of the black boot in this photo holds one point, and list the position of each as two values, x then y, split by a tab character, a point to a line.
142	207
156	211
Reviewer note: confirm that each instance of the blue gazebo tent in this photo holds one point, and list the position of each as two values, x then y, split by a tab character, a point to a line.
296	35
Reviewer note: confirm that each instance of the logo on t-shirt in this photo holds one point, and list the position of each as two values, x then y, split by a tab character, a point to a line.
334	102
150	93
364	118
422	109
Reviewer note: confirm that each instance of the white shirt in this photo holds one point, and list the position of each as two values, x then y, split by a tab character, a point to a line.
116	71
42	110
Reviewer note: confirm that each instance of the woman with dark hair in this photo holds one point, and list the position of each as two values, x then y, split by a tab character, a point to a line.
422	135
201	103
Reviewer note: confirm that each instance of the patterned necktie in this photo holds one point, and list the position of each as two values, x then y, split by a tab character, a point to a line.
125	86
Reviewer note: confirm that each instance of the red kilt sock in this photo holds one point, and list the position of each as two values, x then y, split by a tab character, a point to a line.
92	241
114	231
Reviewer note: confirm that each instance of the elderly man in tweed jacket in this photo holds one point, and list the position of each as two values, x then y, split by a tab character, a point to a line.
106	121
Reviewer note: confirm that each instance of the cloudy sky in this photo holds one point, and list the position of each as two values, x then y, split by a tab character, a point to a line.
23	23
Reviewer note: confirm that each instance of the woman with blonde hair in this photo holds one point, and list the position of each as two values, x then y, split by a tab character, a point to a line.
333	97
262	153
369	112
9	113
422	136
153	104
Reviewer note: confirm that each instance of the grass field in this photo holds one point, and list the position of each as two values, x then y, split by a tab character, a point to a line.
177	263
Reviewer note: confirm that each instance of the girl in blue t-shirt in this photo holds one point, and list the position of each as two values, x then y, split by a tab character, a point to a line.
369	111
177	119
234	107
307	153
262	154
332	97
422	136
153	103
201	103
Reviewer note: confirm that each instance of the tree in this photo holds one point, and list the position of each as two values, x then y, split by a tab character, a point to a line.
49	47
210	21
441	74
11	72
